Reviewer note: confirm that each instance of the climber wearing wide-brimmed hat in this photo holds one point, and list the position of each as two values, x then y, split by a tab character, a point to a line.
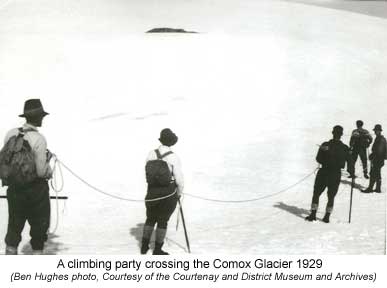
29	200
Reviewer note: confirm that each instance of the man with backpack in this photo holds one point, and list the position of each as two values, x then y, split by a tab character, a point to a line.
359	142
24	168
377	157
164	177
332	156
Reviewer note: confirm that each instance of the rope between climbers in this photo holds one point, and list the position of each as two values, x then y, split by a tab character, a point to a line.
111	195
58	162
253	199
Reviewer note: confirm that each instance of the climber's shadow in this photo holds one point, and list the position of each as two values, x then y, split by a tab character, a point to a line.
299	212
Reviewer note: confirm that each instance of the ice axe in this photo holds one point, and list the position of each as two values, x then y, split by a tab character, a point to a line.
185	228
350	201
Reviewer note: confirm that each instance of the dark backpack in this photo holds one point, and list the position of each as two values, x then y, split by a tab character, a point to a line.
157	171
17	161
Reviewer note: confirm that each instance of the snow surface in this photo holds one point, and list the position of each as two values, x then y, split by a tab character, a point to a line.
376	8
250	97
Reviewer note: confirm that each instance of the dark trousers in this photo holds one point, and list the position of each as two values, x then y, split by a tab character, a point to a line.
160	211
32	204
376	167
326	178
362	153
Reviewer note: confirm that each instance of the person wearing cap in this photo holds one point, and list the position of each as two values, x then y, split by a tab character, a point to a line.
359	142
377	157
159	212
30	203
332	156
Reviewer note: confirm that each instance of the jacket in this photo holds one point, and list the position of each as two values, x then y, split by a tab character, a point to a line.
360	139
379	150
333	155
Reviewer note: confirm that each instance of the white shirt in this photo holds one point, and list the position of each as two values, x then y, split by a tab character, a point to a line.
39	147
174	165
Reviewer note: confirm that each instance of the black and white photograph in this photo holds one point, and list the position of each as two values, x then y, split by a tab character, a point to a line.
234	127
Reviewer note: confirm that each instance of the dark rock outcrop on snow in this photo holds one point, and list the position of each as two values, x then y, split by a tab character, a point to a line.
168	30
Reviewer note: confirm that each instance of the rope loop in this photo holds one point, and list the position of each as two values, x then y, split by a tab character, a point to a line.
54	185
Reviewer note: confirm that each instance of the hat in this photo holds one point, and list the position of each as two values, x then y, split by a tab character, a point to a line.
338	130
167	137
378	127
33	107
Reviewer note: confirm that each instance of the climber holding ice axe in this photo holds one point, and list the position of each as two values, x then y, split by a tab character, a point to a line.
332	156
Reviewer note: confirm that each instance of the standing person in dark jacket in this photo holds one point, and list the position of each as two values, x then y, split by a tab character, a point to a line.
377	158
332	156
161	210
359	142
31	202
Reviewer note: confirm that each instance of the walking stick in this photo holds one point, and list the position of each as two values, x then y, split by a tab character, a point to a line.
178	219
185	228
350	202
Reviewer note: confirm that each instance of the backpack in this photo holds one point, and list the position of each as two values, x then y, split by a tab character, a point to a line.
17	161
157	171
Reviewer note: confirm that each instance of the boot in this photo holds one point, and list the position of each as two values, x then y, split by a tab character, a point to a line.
326	217
378	186
9	250
146	236
370	186
160	236
312	216
158	250
144	245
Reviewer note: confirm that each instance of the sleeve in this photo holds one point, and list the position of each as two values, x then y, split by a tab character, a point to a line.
43	169
8	136
350	162
151	156
178	174
380	149
352	140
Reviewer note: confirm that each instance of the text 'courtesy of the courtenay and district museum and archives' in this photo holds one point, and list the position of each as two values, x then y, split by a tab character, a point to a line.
214	270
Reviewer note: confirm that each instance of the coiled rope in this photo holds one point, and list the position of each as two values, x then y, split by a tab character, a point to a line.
54	185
